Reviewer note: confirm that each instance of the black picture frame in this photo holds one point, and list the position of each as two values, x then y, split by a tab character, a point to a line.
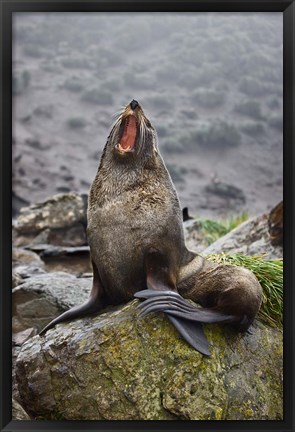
8	7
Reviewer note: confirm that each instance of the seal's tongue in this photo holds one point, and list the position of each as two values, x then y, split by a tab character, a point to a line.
129	133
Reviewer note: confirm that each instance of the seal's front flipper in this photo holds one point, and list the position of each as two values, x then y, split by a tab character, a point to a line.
93	304
161	295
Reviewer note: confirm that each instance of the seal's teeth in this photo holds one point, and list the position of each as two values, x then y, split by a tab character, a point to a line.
123	149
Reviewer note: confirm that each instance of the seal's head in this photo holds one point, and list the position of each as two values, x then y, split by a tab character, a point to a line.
132	135
130	157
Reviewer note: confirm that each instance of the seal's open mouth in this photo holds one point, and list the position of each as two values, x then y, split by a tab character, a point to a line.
129	133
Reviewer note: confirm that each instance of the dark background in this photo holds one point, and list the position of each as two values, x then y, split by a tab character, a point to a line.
211	83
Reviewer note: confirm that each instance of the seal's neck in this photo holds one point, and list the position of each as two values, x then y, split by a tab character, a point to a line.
114	178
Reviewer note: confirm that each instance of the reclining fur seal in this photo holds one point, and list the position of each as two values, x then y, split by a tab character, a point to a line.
137	246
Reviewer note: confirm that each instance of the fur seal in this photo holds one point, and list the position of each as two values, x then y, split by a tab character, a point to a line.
185	215
137	246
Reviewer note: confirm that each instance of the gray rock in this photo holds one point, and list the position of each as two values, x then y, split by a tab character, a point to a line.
41	238
195	237
74	260
250	238
58	211
18	413
22	256
60	220
15	353
18	339
276	224
25	272
41	298
25	263
117	366
16	279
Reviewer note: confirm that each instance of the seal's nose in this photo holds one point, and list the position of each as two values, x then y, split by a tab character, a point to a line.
133	104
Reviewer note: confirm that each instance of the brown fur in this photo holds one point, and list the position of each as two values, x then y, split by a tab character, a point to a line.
134	211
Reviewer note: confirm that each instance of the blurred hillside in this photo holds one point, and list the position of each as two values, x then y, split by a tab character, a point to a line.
211	84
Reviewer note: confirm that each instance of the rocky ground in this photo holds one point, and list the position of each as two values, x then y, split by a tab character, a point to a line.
51	273
140	369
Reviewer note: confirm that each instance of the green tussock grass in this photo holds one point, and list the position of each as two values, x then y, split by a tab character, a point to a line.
270	275
213	230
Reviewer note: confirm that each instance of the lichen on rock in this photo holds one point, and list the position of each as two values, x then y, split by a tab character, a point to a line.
128	368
